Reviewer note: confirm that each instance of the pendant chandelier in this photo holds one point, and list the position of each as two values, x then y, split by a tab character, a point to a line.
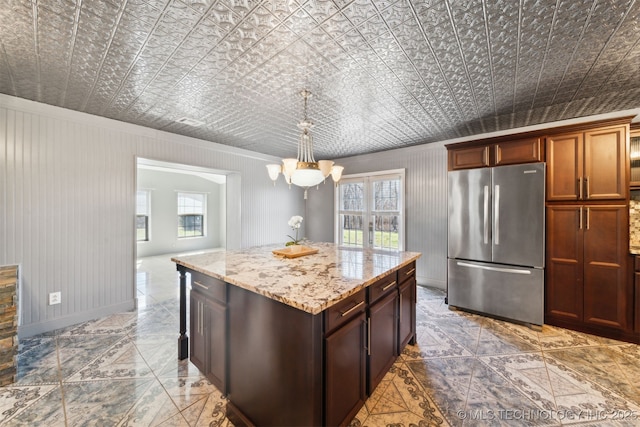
304	171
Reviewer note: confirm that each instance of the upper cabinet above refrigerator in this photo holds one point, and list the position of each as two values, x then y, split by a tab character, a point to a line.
588	165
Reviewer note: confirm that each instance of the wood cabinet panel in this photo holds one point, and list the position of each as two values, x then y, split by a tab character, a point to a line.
216	329
468	158
586	277
341	312
564	167
587	165
605	270
383	338
345	372
564	263
407	315
637	301
197	343
519	151
605	163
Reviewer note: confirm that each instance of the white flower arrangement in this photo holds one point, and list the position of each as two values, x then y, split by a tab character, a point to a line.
295	222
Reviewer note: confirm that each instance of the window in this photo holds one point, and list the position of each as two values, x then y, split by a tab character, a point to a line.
370	210
143	210
191	211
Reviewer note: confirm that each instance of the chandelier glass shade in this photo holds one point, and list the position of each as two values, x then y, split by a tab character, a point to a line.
304	171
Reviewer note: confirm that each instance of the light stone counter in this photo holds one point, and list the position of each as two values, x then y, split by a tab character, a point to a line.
634	227
310	283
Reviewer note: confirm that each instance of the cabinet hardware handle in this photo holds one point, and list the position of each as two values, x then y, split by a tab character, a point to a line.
496	215
388	286
410	272
580	218
344	313
586	184
486	214
369	337
587	218
580	188
400	314
195	282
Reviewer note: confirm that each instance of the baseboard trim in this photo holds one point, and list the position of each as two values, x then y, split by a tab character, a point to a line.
26	331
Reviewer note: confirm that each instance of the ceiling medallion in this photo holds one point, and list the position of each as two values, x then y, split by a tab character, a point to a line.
304	171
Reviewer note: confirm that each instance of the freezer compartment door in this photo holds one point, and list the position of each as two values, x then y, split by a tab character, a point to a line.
518	214
499	290
470	214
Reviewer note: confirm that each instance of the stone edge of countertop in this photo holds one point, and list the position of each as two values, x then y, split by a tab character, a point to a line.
634	250
311	309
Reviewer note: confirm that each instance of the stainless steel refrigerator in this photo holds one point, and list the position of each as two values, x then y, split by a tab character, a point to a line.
496	241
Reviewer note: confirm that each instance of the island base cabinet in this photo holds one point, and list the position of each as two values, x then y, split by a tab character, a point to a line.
345	366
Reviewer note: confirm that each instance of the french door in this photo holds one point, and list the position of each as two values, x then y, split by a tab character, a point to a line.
370	212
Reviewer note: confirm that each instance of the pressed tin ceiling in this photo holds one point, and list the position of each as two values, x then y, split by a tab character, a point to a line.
384	74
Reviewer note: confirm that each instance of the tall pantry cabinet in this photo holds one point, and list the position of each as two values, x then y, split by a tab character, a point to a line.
587	254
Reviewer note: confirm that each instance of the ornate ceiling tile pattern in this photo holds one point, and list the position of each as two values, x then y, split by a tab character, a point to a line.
384	74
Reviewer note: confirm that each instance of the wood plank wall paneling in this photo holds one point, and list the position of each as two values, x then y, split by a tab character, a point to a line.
426	202
67	206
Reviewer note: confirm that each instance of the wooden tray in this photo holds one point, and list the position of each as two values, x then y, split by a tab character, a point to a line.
295	251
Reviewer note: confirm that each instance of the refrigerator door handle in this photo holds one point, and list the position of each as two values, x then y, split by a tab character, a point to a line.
486	214
498	269
496	215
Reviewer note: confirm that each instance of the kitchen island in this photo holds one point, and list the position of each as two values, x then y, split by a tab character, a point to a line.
300	341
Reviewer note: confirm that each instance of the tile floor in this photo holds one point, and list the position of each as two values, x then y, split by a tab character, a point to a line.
465	370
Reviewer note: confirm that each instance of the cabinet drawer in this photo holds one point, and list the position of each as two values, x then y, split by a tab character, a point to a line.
209	286
637	262
341	312
406	272
382	287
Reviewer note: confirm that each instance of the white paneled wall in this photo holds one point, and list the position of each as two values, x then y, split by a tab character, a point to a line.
67	206
426	204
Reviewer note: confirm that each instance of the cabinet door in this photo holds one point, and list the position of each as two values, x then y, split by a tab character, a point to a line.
637	304
605	163
518	151
564	268
407	316
383	341
216	327
345	371
606	292
197	322
564	167
468	158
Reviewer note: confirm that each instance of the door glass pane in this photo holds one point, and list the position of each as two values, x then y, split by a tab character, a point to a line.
351	230
385	212
352	196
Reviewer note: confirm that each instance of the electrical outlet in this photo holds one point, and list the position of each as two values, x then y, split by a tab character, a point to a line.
55	298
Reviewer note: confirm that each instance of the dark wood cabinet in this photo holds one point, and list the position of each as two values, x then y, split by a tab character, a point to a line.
588	165
469	158
383	338
407	315
480	154
526	150
266	355
407	303
208	327
587	265
345	371
198	340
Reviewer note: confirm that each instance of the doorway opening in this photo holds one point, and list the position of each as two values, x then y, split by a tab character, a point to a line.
180	209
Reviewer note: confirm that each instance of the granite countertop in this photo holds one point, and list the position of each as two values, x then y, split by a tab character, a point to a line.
310	283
